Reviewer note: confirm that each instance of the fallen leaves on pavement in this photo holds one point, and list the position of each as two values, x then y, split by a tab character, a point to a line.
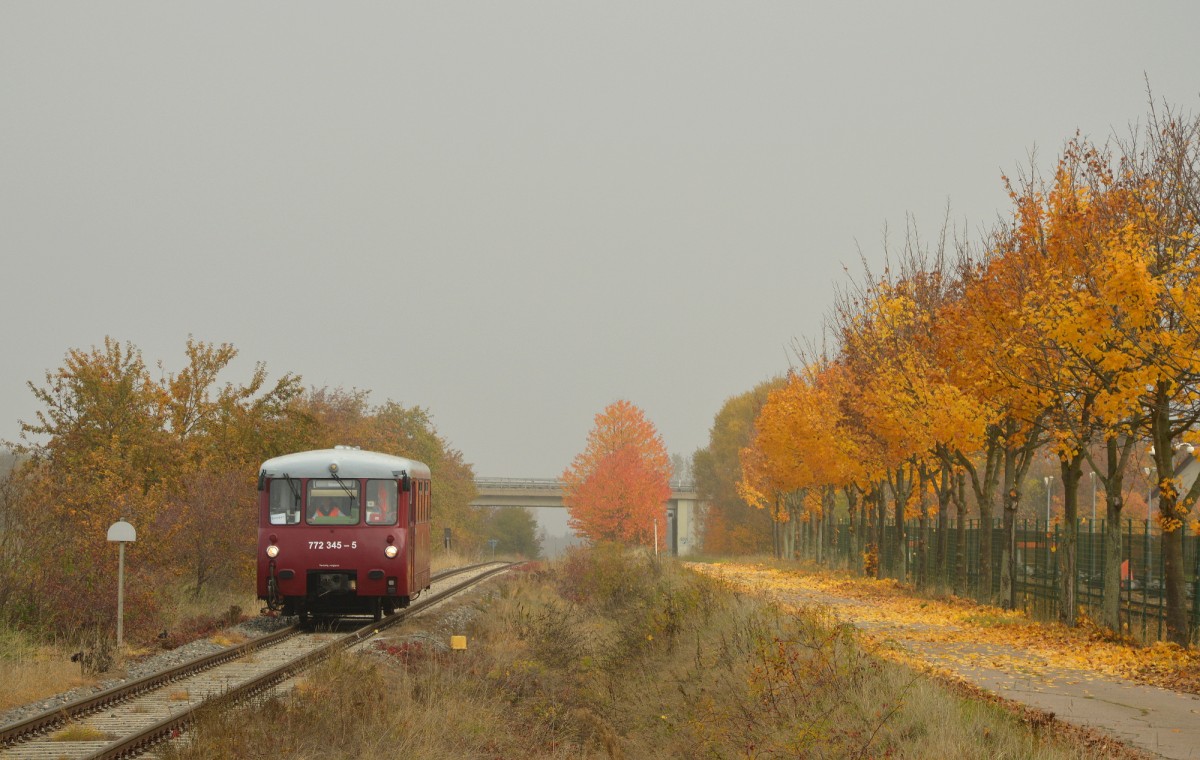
967	634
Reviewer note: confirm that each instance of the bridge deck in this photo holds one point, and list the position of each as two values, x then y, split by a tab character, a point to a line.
543	492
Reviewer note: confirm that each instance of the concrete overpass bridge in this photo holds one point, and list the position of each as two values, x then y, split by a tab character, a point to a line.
680	534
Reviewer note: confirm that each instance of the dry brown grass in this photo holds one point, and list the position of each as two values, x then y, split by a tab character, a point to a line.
27	681
32	671
76	732
213	603
31	668
619	656
228	638
444	560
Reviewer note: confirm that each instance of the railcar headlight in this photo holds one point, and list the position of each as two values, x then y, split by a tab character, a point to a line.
391	551
272	551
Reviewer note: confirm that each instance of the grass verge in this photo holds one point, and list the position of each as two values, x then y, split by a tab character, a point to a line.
613	654
30	669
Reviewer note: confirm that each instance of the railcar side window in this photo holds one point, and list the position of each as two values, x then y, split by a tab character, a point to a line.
381	502
333	502
285	502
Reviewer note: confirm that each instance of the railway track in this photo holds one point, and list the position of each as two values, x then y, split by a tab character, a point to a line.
130	718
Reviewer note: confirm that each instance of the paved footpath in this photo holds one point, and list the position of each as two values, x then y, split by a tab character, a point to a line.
1163	722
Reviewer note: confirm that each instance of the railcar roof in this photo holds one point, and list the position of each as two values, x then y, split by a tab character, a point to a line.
352	463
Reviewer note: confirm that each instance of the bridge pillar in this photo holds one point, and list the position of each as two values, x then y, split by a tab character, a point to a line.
683	526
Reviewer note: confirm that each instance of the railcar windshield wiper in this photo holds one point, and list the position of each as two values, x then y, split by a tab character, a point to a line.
352	494
295	491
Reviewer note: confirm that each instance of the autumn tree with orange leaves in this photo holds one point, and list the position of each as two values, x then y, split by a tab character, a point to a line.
902	396
731	525
110	442
176	454
800	454
1066	361
1165	272
616	489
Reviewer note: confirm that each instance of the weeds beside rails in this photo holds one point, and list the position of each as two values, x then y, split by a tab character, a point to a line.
614	653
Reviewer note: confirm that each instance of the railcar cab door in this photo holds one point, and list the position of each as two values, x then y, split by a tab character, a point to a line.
413	489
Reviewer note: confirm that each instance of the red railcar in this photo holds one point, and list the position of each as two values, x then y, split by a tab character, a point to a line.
342	531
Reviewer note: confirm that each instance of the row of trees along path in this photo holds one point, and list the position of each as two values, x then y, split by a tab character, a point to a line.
1072	327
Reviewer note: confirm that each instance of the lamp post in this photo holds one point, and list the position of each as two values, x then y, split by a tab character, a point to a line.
1092	532
121	533
1093	474
1149	500
1048	480
1149	493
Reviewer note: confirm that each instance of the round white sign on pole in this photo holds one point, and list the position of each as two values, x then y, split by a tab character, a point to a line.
121	531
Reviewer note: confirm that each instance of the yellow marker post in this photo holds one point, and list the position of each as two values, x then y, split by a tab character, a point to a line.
458	642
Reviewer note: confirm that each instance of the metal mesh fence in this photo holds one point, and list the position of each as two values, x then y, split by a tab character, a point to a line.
1036	571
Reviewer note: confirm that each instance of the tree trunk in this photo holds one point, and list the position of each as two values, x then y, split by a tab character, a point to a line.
1008	555
828	504
789	535
871	544
1068	605
880	519
1172	520
1110	610
943	525
922	570
819	530
901	489
985	547
1016	464
960	539
869	537
881	510
856	526
985	488
777	533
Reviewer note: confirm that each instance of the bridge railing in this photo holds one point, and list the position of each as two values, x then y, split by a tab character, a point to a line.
544	483
556	484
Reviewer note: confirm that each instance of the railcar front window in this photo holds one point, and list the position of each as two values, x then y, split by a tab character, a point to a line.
284	502
381	502
333	502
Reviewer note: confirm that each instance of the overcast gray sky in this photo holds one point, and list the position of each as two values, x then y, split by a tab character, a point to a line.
515	213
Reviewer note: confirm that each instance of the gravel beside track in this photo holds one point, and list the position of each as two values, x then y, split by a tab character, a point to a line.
134	669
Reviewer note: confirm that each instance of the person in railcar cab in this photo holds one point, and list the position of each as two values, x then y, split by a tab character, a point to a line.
326	509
